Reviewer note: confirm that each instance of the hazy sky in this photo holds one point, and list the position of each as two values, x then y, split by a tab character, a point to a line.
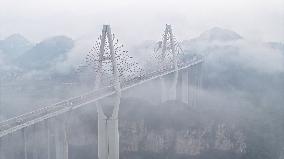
137	20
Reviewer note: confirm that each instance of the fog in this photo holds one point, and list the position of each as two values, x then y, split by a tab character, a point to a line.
78	19
235	112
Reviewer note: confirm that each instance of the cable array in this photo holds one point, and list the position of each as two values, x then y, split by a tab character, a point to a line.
128	68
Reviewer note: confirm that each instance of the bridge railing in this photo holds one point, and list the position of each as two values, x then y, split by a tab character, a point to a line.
47	109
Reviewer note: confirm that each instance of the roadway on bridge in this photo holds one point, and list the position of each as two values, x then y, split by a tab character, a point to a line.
15	124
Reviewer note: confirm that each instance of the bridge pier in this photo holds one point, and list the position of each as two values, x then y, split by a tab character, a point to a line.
164	91
196	83
1	148
47	128
183	87
173	93
169	89
108	134
24	137
66	140
189	85
34	143
61	140
102	133
58	141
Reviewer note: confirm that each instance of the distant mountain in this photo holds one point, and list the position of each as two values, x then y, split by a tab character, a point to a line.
211	41
14	45
219	34
46	53
215	34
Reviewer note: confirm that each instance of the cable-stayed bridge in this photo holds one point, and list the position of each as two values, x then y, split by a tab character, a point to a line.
115	72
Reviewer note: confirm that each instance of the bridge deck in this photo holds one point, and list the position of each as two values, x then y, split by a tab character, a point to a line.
17	123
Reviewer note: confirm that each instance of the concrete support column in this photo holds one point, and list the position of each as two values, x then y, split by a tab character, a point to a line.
102	134
47	130
173	88
164	91
184	88
34	142
66	138
169	89
113	138
24	137
194	86
2	148
61	139
59	148
199	82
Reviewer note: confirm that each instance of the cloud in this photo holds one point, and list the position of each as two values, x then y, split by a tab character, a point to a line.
245	54
1	58
260	57
76	56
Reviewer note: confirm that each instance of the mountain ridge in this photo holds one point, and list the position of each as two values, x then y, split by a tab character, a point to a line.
46	52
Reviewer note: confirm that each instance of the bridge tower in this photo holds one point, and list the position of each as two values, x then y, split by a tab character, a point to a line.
108	135
112	66
167	52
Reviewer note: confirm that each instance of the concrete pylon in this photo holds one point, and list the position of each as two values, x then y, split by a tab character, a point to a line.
168	91
108	135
